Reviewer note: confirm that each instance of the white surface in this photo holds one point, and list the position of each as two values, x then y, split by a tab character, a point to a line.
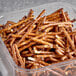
11	5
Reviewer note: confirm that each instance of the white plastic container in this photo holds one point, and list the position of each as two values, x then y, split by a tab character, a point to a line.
9	68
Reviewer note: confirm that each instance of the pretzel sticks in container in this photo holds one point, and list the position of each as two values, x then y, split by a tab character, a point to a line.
41	41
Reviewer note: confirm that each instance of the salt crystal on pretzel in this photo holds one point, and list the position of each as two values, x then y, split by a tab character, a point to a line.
40	52
32	59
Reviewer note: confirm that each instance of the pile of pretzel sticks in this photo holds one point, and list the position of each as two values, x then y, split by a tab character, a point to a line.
42	41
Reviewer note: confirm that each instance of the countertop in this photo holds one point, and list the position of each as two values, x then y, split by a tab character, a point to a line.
12	5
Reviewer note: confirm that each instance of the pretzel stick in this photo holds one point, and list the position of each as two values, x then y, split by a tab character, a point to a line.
1	25
30	13
54	33
24	29
23	43
60	39
48	29
14	54
22	38
24	52
59	33
40	62
53	59
56	16
40	35
7	40
42	42
55	24
44	56
24	24
59	43
71	54
73	20
11	22
54	20
28	55
65	18
64	57
41	13
69	39
15	25
19	57
48	40
42	46
13	35
59	51
30	49
33	25
28	32
43	63
40	52
55	12
66	14
24	47
11	43
57	20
